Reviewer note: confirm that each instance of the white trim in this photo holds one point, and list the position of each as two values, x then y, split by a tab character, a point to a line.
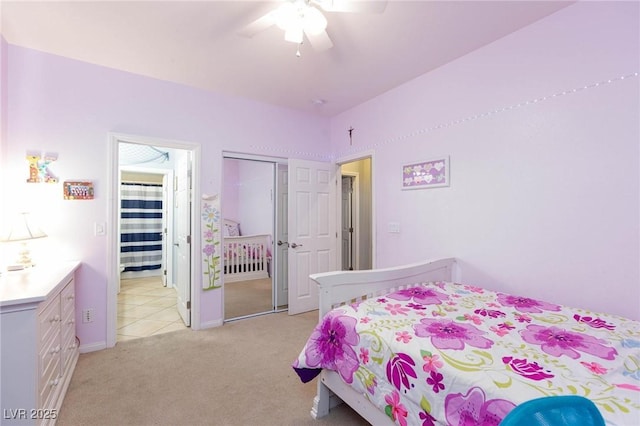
263	158
113	267
211	324
93	347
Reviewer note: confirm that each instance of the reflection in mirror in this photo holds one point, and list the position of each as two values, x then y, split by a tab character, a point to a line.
247	237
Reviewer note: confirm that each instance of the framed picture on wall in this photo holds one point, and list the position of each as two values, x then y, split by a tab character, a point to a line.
432	173
78	190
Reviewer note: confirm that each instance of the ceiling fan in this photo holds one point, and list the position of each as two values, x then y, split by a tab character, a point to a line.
304	18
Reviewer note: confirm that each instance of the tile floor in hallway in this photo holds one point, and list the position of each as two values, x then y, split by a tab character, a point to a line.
146	307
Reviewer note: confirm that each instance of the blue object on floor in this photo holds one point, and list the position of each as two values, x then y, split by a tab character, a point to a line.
562	410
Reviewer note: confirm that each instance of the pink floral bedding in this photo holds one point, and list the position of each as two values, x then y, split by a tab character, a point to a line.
444	353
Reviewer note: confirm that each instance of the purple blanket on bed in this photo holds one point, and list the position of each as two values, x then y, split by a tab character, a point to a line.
444	353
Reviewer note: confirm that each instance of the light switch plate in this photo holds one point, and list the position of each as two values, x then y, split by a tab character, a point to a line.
100	228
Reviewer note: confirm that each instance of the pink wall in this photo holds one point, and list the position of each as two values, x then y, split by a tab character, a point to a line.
65	106
544	197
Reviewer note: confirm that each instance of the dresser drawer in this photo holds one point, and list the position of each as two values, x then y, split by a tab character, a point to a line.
68	298
69	346
49	370
49	320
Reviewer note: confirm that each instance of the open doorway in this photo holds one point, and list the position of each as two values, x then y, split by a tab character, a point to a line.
356	237
150	248
153	212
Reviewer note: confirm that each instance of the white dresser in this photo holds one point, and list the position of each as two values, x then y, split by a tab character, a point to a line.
38	344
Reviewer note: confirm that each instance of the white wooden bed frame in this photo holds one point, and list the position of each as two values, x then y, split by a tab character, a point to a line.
244	268
241	267
340	287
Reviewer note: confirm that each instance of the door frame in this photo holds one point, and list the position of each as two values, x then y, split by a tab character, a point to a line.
370	154
113	265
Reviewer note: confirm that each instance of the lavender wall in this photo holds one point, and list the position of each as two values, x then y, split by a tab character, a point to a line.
69	107
3	109
544	195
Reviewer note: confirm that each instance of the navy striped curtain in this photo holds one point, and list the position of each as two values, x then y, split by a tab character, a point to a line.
141	227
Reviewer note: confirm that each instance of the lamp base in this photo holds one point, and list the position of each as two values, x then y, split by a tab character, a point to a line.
15	267
24	258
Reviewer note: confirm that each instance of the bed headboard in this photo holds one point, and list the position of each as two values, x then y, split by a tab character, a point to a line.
340	287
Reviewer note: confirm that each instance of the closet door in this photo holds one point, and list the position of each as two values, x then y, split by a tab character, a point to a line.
282	238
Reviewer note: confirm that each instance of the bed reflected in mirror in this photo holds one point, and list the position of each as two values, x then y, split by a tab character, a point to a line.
247	237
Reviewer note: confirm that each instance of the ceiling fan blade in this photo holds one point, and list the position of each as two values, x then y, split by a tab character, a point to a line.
320	41
363	6
258	25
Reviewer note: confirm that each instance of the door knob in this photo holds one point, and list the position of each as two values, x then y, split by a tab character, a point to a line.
294	245
283	242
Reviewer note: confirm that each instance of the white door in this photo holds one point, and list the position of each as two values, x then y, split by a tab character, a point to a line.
312	229
168	234
183	237
165	224
282	238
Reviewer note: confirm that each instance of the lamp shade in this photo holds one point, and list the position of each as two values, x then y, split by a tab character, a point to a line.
22	229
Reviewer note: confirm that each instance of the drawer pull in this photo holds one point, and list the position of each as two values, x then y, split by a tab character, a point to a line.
54	382
55	319
70	297
55	350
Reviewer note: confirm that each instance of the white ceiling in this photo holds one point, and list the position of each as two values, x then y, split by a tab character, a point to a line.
197	43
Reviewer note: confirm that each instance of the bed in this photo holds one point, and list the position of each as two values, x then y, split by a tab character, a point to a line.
408	345
246	257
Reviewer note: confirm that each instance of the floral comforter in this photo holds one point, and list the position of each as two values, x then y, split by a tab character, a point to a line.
444	353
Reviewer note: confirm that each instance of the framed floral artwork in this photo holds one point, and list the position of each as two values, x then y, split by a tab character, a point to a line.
426	174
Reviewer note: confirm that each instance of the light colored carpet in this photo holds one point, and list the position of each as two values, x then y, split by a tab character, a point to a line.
236	374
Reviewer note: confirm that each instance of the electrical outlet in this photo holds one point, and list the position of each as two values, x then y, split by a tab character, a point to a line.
394	227
87	315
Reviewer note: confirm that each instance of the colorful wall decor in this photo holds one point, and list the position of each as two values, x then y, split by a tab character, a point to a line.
39	170
78	190
211	272
426	174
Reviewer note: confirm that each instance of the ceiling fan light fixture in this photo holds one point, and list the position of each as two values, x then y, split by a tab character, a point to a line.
293	34
286	15
296	19
314	21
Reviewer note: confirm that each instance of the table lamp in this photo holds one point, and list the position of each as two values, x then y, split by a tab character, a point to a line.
23	230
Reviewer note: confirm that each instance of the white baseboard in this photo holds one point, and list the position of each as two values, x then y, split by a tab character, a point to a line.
211	324
98	346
